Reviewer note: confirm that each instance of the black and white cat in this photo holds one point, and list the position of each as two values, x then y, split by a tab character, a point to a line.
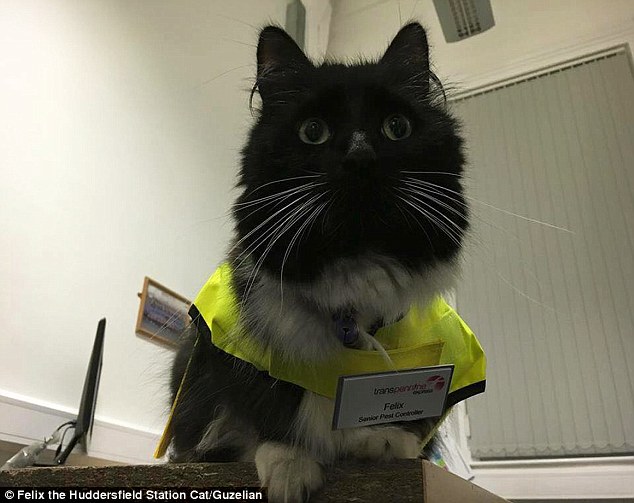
352	200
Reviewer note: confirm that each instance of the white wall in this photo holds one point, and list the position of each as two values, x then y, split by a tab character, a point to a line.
119	143
527	34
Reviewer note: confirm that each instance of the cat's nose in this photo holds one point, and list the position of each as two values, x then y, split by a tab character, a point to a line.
360	152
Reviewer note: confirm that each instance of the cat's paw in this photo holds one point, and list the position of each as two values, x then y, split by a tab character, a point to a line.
388	443
289	474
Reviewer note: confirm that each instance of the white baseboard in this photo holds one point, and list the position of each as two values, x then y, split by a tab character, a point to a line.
25	420
553	479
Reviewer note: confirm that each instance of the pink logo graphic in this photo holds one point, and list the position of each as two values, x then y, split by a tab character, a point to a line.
437	382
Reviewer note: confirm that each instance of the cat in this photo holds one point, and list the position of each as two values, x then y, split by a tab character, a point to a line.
352	202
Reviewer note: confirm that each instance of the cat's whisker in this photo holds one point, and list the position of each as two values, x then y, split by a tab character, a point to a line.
422	172
306	229
519	291
286	91
255	229
428	195
308	221
239	42
438	223
459	230
325	218
463	217
504	279
459	203
313	172
510	284
303	177
266	230
427	217
327	206
429	240
274	234
208	81
431	190
252	202
263	238
273	202
507	212
255	28
461	214
300	214
289	222
400	209
410	182
304	205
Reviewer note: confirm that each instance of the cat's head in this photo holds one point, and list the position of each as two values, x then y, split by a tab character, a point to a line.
349	159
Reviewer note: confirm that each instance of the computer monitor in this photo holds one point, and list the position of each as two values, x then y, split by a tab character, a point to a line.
86	414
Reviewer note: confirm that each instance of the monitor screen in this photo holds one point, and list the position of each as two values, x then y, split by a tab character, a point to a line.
86	414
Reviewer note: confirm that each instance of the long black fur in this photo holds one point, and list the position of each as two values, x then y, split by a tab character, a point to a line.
216	378
363	215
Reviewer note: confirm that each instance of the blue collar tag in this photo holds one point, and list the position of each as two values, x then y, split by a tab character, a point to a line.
347	328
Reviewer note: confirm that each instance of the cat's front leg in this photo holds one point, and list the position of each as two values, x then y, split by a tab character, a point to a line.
386	443
290	473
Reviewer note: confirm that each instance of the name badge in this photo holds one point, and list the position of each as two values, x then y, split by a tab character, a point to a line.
388	397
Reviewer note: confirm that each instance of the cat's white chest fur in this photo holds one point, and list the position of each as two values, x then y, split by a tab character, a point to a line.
298	318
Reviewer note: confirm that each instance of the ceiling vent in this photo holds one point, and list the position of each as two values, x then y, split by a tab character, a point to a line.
462	19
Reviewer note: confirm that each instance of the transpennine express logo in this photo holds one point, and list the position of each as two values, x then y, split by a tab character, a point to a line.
433	383
437	382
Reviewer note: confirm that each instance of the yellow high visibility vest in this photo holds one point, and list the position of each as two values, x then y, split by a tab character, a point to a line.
434	335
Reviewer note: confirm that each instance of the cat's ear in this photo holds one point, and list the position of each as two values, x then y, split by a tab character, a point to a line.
280	62
408	54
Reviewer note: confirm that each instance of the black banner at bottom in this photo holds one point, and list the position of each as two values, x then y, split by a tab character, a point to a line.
132	494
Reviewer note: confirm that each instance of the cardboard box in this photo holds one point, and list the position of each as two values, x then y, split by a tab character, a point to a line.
440	486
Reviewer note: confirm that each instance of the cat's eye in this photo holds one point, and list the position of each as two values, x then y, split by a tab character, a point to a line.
314	131
397	127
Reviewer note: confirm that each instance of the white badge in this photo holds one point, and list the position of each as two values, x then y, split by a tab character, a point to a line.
387	397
